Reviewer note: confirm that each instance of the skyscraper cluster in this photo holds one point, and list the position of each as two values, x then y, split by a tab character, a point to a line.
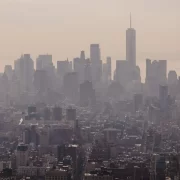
52	83
78	119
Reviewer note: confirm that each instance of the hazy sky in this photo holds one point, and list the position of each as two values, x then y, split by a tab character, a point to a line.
65	27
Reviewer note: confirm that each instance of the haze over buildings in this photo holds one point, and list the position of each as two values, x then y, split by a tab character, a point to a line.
67	27
83	110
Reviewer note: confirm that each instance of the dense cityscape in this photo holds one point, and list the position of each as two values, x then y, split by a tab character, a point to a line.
81	120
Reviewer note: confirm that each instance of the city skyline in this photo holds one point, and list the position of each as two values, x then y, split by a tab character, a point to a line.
63	35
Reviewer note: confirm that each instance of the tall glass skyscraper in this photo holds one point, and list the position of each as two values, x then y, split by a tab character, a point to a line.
131	45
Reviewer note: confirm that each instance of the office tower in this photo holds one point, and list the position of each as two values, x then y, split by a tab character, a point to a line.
41	81
110	135
104	74
87	94
88	71
172	78
138	102
14	87
106	71
57	113
63	67
131	45
47	113
122	72
148	69
96	63
156	74
26	136
43	61
4	89
71	114
71	86
163	97
79	67
8	71
22	155
34	135
24	69
44	136
31	109
68	150
108	62
82	56
162	72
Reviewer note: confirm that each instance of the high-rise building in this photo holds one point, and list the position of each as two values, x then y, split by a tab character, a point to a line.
63	67
22	155
87	94
47	113
131	45
106	71
44	136
163	97
172	83
172	78
57	113
26	136
79	67
31	109
88	71
24	69
34	135
82	56
41	80
96	62
138	102
43	61
122	72
109	68
162	72
71	86
156	74
8	71
104	74
95	53
71	114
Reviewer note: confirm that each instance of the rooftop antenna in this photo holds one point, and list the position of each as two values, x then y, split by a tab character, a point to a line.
130	20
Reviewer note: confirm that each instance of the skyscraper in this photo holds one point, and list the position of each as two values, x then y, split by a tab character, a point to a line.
156	74
87	94
88	71
79	66
71	86
43	61
163	97
41	81
96	63
122	72
63	67
131	45
8	71
108	62
172	78
24	69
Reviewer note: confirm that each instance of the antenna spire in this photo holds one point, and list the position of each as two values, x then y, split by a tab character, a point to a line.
130	21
